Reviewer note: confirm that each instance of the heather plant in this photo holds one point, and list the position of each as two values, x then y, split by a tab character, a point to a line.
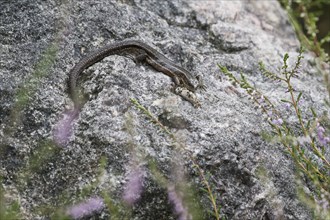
205	181
306	138
304	15
93	198
9	210
180	194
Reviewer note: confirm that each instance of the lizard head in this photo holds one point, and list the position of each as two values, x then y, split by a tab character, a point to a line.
193	83
188	84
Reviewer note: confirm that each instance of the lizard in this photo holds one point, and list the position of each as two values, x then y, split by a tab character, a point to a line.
185	83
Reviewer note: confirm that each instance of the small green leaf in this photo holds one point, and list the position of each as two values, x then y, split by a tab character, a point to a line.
287	101
299	113
211	212
302	152
325	39
299	96
223	68
314	113
262	66
205	190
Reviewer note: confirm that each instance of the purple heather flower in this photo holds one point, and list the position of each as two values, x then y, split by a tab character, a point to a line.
134	186
63	129
326	140
176	200
278	121
286	106
320	135
320	129
270	114
86	208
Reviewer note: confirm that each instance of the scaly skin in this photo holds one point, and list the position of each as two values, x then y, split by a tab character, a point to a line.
141	52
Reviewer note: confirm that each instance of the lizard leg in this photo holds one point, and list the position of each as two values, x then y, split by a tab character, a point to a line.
137	55
140	57
175	84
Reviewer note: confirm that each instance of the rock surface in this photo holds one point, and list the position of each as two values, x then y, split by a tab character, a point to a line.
40	41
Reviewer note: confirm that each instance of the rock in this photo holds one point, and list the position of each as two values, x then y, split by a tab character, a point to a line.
40	41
